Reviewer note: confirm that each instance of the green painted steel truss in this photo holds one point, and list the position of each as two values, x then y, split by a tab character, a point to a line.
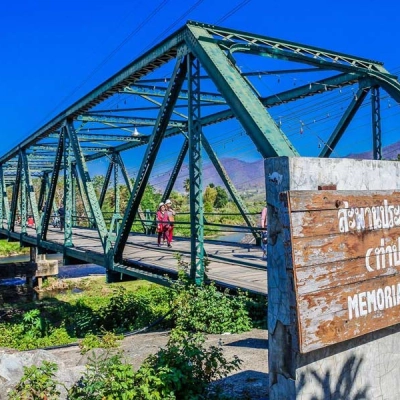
182	87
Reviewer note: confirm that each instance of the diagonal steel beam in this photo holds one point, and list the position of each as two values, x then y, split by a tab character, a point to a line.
106	183
259	125
228	184
88	186
31	192
344	122
155	140
14	198
53	185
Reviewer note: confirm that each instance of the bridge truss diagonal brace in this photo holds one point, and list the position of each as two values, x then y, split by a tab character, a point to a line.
257	122
31	192
228	184
344	122
14	198
53	185
172	93
88	186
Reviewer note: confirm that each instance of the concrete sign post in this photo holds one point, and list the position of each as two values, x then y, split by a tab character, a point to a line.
333	278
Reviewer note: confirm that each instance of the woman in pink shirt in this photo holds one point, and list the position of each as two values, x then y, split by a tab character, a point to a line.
162	225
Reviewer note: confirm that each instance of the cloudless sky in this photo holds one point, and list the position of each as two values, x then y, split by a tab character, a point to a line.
54	52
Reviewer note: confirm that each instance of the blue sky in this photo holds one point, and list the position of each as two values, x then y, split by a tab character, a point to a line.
53	52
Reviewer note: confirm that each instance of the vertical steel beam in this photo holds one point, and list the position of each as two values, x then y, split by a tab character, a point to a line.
73	187
344	122
23	197
376	123
88	187
172	93
53	185
31	193
4	206
67	201
195	172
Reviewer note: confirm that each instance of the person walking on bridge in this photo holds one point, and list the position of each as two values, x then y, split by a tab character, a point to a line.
171	216
162	225
264	232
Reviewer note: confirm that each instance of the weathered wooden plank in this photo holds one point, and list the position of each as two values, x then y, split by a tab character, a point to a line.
342	313
329	276
306	200
338	247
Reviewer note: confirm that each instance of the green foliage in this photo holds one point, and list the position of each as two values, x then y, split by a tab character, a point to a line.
205	309
37	383
106	377
127	311
108	341
183	370
35	325
221	199
9	248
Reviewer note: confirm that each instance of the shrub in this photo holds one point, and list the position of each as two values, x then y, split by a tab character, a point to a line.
106	377
205	309
108	341
37	383
183	370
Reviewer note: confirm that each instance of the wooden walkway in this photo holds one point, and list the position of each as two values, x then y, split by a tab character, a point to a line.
232	265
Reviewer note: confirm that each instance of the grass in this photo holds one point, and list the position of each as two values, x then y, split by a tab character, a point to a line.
11	248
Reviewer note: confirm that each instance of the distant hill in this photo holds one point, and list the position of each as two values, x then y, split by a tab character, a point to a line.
244	175
249	176
389	152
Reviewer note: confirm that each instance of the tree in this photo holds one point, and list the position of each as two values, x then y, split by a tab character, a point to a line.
221	199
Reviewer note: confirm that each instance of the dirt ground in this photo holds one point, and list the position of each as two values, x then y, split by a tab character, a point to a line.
251	382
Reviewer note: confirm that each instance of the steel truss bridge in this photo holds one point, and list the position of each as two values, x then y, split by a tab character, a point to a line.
179	91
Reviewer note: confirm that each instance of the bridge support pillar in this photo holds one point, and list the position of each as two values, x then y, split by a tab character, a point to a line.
112	276
42	268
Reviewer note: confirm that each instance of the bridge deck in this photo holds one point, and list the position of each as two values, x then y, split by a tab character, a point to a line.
233	265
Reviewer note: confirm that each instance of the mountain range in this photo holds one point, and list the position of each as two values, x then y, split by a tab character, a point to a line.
249	176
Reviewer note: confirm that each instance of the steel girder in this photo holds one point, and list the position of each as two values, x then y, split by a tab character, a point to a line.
376	123
88	187
197	265
344	122
31	192
68	190
229	184
157	91
259	125
4	206
155	140
53	185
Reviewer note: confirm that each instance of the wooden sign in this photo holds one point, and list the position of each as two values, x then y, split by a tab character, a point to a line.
346	263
